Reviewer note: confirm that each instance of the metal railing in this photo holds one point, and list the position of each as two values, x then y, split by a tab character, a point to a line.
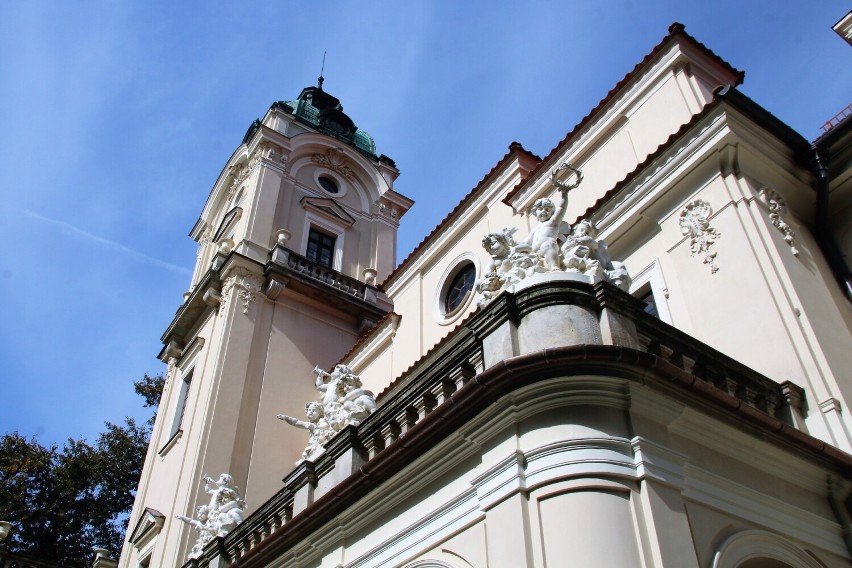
837	118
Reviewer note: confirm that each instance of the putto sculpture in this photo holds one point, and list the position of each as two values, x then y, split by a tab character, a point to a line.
343	401
220	516
581	253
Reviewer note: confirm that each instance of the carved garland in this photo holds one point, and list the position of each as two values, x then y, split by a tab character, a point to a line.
247	285
695	223
333	159
777	212
243	172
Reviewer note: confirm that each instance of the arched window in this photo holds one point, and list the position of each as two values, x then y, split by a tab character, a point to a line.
761	549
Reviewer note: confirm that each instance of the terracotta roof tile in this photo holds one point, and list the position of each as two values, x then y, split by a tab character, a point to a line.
650	158
675	30
514	147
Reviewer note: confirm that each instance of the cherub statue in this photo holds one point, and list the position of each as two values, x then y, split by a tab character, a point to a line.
200	523
356	402
221	491
499	245
543	239
201	526
343	401
489	286
317	425
580	250
224	512
330	385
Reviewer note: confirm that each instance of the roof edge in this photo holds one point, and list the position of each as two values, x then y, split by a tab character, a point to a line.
675	30
515	148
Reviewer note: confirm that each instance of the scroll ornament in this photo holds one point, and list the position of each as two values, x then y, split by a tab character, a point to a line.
777	212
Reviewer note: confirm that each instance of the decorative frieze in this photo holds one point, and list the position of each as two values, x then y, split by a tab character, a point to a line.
273	152
334	159
695	223
777	211
204	240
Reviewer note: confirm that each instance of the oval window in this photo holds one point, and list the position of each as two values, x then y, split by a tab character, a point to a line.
459	288
328	184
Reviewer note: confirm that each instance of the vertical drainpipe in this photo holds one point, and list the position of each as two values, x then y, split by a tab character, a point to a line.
822	231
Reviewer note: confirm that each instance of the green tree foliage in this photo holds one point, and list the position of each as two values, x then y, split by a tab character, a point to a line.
65	501
151	389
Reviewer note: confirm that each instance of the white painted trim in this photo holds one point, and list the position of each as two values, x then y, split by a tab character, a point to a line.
440	523
717	492
652	275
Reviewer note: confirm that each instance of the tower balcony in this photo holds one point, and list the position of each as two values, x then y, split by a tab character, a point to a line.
287	269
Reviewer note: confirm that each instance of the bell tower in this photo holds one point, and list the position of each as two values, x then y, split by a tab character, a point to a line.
295	234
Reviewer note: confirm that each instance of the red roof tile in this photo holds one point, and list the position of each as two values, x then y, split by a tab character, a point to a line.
675	30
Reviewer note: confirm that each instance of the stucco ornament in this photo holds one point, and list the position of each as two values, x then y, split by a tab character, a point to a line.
777	212
581	253
220	516
695	223
241	172
246	286
343	401
334	159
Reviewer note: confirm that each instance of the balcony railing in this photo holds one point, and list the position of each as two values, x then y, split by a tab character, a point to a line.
314	272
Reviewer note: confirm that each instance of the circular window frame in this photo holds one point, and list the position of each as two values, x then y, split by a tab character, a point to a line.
453	269
324	172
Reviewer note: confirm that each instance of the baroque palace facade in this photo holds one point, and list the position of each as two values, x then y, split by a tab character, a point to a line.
633	351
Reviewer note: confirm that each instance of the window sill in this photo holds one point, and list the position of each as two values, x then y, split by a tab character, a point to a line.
172	441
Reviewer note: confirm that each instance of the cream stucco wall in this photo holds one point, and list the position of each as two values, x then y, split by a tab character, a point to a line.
546	478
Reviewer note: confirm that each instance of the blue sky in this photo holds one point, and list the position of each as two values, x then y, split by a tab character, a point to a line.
116	118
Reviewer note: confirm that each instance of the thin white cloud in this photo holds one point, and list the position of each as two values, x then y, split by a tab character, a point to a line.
118	247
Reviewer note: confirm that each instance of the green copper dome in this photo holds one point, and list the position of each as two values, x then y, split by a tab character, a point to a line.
323	112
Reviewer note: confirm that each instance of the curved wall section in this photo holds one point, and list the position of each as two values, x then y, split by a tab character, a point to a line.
588	528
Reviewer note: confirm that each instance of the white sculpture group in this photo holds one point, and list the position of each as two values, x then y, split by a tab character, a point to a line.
220	516
580	253
343	401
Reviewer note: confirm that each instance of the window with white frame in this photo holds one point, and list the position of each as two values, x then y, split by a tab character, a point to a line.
180	408
456	289
650	287
320	247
